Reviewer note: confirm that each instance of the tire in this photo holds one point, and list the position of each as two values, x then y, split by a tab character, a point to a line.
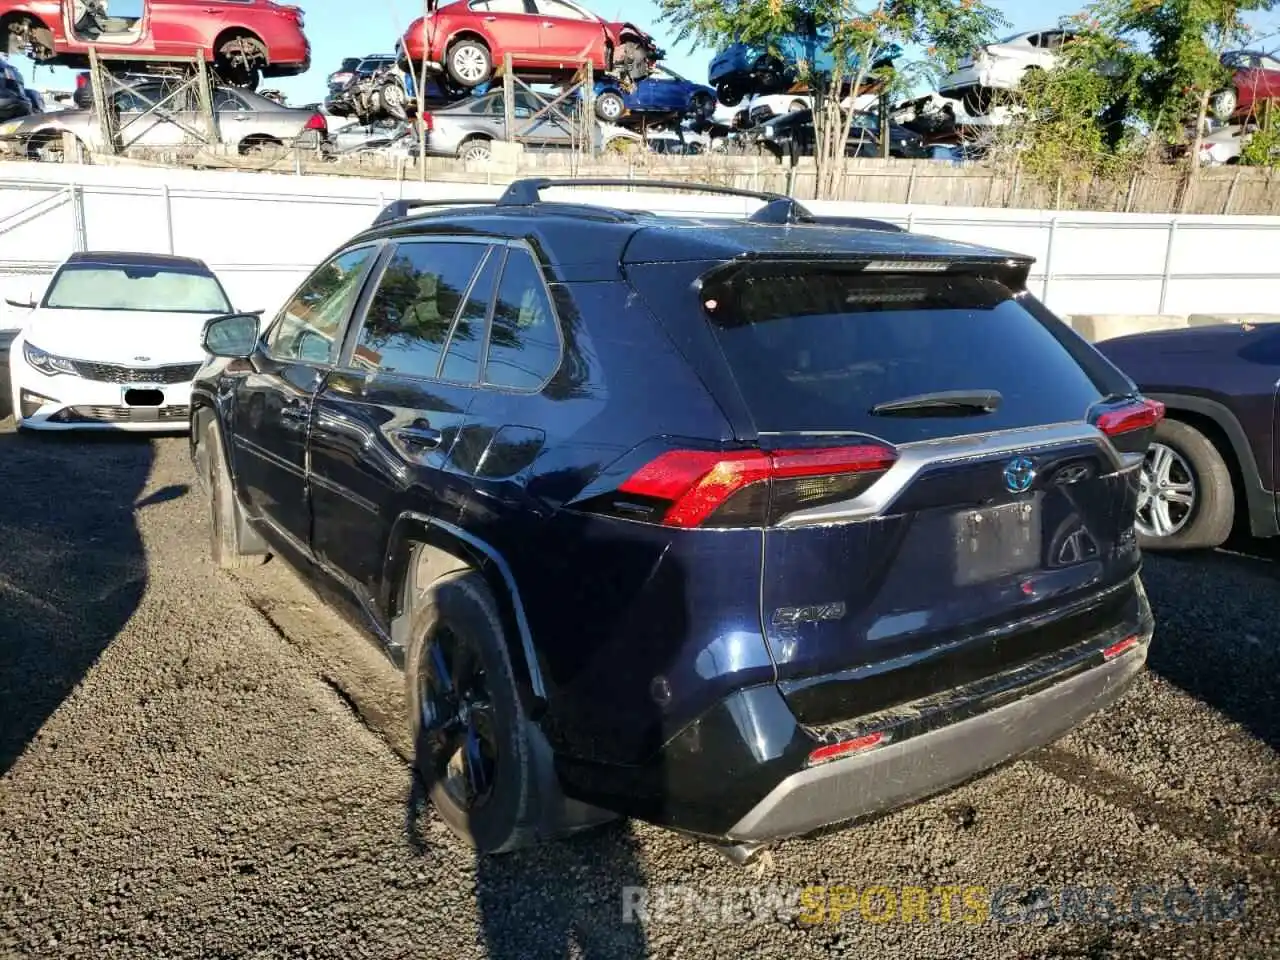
728	95
225	518
1223	104
469	63
458	656
1185	463
703	106
477	148
610	107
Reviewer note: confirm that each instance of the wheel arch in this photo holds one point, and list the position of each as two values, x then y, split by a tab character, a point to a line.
467	33
36	23
228	34
1220	426
446	548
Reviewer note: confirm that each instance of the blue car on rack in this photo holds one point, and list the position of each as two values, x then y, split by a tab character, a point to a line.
742	69
663	92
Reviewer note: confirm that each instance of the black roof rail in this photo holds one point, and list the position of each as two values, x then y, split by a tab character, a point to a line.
526	192
399	209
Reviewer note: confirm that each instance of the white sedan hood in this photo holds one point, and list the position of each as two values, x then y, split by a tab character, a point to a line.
125	337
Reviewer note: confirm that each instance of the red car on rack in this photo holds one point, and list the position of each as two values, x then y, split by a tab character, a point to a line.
548	40
1255	79
245	40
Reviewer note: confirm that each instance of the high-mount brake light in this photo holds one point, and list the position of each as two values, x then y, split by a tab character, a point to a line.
701	488
1139	415
907	266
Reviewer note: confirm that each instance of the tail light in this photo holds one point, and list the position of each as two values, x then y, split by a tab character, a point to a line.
747	488
82	81
317	122
1139	415
426	121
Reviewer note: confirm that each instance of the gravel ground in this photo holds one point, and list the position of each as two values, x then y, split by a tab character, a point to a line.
198	765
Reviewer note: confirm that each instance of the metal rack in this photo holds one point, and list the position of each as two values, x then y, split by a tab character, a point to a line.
580	117
191	92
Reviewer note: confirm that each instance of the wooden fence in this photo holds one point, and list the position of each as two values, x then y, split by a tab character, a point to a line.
1215	191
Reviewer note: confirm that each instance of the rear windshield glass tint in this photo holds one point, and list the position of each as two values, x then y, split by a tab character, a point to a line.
816	351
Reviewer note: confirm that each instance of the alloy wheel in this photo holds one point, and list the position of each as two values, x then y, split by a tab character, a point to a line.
469	64
1167	495
610	107
459	728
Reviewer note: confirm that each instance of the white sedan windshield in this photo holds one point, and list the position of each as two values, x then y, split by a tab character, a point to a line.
136	288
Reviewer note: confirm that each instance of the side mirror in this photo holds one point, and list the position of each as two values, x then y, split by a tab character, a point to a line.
233	335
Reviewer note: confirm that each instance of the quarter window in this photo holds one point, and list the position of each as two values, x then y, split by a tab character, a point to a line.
524	344
309	329
418	296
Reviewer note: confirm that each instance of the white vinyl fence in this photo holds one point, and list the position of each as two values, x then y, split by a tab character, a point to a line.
263	232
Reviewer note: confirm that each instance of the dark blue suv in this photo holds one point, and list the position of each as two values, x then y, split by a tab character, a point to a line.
739	525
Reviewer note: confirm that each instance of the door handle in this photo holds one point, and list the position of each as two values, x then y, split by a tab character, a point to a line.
490	19
424	438
548	25
296	411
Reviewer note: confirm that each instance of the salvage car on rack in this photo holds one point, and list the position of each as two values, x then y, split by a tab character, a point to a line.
549	40
995	70
1255	79
244	40
467	129
147	119
663	92
114	343
743	69
792	135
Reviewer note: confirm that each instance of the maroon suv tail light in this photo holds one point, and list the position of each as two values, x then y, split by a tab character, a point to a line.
700	488
1139	415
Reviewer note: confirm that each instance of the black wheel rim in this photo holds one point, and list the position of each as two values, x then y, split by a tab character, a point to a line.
459	730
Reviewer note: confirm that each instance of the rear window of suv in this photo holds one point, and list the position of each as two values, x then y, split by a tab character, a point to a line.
814	350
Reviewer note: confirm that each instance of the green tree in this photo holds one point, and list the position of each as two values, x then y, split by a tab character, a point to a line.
857	29
1076	121
1181	69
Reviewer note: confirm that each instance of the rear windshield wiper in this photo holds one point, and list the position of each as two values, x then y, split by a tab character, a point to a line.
942	403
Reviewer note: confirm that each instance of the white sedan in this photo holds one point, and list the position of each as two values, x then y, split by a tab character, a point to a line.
114	344
1000	67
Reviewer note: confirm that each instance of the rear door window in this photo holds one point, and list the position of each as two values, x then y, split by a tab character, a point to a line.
815	350
412	311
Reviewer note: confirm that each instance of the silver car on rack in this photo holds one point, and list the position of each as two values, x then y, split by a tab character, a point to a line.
162	113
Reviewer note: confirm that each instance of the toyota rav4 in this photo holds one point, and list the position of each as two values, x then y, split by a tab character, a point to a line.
740	525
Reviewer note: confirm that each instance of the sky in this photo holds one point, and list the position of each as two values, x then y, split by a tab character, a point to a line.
340	28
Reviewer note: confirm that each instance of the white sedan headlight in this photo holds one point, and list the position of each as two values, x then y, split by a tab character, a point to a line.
47	363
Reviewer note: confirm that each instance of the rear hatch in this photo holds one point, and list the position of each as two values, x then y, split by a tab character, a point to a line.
944	481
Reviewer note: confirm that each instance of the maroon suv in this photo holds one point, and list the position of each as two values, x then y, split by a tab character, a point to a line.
245	40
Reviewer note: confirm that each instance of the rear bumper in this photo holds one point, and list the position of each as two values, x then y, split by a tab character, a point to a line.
896	774
742	771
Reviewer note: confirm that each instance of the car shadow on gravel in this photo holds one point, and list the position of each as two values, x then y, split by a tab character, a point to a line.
559	899
1216	633
72	568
